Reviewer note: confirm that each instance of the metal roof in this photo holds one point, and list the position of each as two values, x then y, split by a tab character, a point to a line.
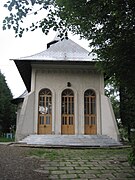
20	98
62	50
58	52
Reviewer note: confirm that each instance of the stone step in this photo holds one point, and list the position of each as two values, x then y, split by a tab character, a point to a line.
71	140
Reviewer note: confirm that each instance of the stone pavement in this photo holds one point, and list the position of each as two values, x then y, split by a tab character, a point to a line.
86	164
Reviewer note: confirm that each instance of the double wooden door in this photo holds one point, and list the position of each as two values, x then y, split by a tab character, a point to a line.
67	121
90	126
67	109
45	112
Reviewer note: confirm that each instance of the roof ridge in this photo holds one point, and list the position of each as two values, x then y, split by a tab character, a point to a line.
58	50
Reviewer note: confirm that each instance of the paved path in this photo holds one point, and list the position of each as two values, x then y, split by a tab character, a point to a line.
85	164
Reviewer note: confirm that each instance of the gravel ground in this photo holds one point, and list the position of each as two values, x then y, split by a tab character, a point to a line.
15	164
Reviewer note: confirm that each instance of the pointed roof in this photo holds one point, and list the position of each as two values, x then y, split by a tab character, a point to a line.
61	51
58	52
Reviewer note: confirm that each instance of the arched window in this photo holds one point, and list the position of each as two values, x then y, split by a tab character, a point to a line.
90	112
67	101
67	121
45	111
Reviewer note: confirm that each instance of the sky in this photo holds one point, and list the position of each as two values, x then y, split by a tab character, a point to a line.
31	43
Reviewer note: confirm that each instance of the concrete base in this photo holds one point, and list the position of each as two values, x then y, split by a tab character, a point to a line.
71	140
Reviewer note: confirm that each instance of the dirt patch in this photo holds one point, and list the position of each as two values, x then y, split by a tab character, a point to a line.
14	164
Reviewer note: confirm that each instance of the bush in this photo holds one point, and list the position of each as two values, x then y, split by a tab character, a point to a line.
132	153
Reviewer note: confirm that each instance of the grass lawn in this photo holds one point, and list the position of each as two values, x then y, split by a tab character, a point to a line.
3	139
53	154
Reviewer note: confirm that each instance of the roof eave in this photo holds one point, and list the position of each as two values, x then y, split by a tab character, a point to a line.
24	68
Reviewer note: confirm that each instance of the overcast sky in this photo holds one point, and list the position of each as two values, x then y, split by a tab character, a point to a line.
30	43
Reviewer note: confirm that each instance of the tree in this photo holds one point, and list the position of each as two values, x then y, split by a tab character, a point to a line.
7	110
108	25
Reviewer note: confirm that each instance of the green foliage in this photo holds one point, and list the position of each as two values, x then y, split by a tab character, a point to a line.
131	157
123	134
7	110
3	139
50	154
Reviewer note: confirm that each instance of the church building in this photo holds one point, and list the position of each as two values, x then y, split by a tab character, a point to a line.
65	94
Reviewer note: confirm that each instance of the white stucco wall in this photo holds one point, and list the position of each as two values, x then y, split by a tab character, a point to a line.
56	80
109	126
19	107
25	124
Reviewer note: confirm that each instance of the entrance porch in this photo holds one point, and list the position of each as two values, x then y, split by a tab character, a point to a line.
70	141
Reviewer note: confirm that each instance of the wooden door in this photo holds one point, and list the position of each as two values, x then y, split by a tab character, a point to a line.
45	112
67	122
90	125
